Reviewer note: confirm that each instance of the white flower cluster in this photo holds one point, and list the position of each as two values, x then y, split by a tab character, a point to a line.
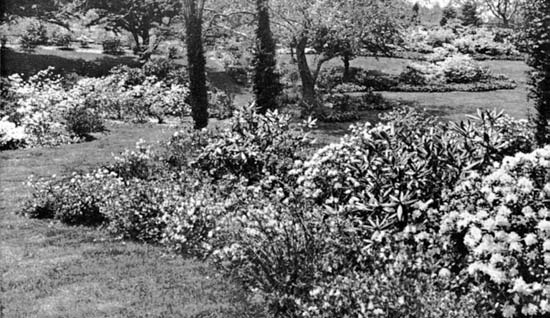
508	230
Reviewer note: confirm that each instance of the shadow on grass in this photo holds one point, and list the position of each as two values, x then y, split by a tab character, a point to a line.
29	63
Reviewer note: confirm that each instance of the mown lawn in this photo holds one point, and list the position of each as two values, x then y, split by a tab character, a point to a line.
453	105
52	270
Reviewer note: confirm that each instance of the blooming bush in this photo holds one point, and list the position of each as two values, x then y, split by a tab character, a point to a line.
254	146
502	220
481	43
73	200
381	172
11	136
39	108
458	71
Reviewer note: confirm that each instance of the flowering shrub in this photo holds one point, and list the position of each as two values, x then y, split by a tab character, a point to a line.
381	172
502	220
483	41
254	146
452	72
478	42
39	107
52	111
73	200
11	136
134	164
135	209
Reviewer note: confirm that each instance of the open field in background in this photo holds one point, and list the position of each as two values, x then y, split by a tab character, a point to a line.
451	105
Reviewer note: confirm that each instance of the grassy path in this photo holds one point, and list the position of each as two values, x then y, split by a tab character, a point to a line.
52	270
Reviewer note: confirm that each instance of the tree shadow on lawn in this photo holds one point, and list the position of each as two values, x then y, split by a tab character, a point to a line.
30	63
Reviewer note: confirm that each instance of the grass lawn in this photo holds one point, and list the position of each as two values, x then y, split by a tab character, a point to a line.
84	63
52	270
453	105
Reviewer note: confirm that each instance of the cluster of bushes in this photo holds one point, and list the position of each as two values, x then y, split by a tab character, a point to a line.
37	34
409	218
49	110
446	70
481	43
359	80
457	72
42	112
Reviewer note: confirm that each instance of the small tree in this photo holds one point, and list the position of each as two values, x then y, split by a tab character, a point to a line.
537	34
449	13
470	15
266	81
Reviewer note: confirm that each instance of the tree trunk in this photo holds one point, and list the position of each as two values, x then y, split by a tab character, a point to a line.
292	50
345	59
308	82
197	69
505	22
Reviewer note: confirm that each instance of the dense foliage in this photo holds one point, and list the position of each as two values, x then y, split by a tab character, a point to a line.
361	227
537	34
48	110
266	81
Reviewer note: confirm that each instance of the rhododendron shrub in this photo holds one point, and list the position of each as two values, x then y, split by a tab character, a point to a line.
382	172
255	146
502	222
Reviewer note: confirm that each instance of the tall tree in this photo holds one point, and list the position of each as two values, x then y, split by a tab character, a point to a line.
193	11
139	17
267	86
537	35
470	14
504	10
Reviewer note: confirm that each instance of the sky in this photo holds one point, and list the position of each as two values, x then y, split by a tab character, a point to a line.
432	2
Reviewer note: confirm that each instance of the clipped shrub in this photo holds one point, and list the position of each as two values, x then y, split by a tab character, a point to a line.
83	121
500	224
62	40
112	47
